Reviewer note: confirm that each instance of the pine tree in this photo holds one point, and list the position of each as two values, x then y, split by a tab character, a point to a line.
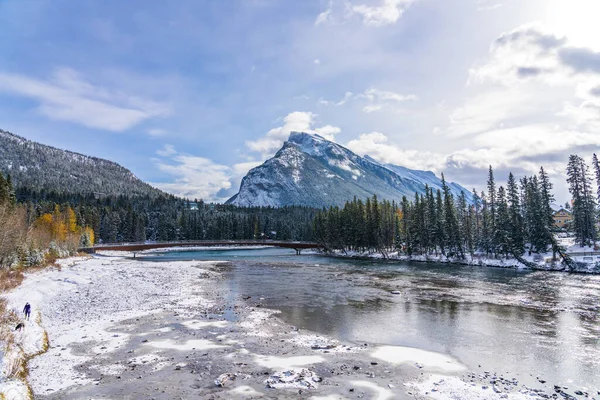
4	194
491	198
547	198
503	225
596	167
584	217
516	219
440	234
12	198
453	240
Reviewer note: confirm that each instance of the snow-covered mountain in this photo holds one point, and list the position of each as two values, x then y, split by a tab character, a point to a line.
312	171
37	166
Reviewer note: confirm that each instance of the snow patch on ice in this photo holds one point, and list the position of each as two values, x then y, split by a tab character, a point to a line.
246	391
379	393
440	387
198	324
275	362
404	355
195	344
112	369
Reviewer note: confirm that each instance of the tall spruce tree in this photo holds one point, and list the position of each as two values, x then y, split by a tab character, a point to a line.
547	198
453	240
584	206
515	216
596	166
503	225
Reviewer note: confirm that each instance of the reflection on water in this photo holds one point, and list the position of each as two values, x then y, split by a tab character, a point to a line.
520	323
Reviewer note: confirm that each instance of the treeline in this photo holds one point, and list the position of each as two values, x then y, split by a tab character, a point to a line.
167	218
30	239
508	220
585	201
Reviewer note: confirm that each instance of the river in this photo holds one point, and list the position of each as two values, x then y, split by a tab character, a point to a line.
530	325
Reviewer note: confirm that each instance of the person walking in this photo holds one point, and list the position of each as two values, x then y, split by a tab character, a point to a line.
27	311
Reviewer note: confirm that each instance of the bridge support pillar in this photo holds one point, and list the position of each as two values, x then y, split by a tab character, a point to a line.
298	251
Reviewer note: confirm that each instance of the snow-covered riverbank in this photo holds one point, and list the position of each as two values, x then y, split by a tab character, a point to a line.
538	262
120	327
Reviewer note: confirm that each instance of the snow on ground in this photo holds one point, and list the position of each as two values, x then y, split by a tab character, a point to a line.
85	297
14	390
255	319
197	324
379	393
95	303
441	387
197	344
544	261
287	363
405	355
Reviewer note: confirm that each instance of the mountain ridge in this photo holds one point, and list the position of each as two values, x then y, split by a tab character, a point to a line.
41	167
310	170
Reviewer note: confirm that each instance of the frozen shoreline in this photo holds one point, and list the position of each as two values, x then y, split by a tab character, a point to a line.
584	268
119	326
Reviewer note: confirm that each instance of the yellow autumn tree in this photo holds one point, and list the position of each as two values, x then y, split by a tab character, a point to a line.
71	220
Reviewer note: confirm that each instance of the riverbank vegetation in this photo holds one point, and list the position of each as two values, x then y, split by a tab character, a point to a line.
165	218
509	220
504	221
31	237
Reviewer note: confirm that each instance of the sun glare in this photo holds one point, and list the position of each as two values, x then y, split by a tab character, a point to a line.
576	19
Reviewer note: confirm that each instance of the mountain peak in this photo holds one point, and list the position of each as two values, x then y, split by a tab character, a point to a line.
310	170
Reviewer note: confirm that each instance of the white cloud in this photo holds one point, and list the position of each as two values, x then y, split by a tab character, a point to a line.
375	14
166	151
344	100
241	169
157	132
373	94
328	132
387	12
377	99
325	15
382	99
68	97
195	177
199	177
531	77
488	5
297	121
521	150
376	145
369	108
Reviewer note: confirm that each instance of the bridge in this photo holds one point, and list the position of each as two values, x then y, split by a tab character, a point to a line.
140	246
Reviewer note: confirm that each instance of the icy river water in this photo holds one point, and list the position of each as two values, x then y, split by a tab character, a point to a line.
529	325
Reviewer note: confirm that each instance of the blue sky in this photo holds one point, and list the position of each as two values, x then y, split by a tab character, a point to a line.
191	94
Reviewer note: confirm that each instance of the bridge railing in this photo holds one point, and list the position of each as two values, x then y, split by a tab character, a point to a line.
200	242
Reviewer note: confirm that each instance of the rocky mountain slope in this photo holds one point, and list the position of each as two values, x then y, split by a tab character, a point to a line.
38	166
312	171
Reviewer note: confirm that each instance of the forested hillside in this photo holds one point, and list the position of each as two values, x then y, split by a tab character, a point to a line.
40	167
134	219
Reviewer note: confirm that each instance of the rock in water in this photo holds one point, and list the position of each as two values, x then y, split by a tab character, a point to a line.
222	380
293	379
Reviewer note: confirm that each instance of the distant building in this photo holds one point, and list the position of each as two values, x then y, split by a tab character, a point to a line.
562	218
